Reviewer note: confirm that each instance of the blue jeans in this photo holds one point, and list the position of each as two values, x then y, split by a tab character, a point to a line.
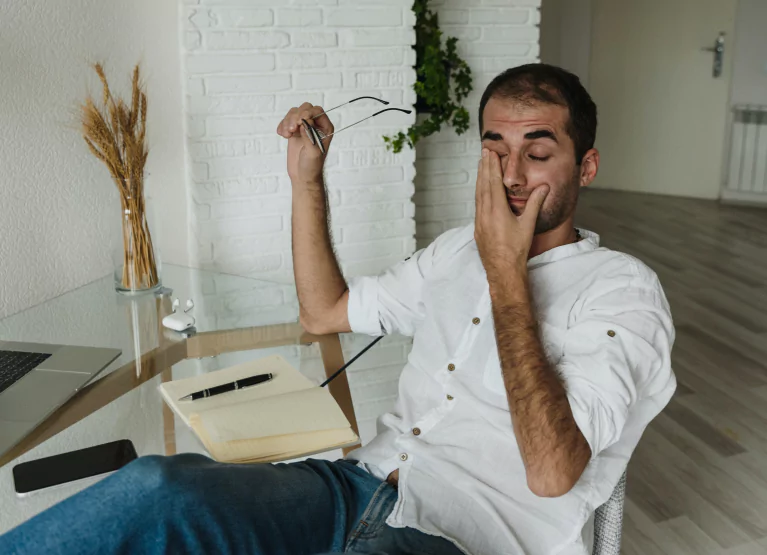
192	504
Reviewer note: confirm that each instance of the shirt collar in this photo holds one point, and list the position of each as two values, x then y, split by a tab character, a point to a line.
589	243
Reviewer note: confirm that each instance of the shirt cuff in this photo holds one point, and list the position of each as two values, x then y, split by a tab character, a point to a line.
584	423
382	469
362	310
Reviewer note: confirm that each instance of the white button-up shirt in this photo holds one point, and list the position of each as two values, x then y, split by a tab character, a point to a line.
606	327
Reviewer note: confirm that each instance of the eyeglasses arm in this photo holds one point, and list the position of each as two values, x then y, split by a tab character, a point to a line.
384	102
374	115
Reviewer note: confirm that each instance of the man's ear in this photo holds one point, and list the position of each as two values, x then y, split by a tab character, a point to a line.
589	167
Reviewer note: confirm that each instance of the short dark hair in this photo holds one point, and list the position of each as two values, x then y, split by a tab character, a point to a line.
548	84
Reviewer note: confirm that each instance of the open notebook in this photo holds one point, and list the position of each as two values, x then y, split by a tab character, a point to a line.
282	419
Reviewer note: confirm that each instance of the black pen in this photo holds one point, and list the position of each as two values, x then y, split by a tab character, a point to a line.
224	388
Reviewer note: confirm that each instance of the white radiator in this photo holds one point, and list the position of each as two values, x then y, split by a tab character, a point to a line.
747	161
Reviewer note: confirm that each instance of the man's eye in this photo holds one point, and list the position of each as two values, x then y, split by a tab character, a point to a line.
538	158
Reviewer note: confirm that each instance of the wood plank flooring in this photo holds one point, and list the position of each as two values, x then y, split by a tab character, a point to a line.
697	483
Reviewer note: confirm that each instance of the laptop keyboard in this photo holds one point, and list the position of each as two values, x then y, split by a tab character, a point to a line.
14	365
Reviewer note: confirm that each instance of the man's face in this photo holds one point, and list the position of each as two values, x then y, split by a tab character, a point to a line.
535	150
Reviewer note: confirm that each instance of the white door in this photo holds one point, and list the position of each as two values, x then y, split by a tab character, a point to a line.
662	115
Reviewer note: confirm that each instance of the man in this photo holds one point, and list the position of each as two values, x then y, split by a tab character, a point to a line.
538	359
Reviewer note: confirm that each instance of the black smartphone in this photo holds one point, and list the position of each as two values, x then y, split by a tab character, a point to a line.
75	465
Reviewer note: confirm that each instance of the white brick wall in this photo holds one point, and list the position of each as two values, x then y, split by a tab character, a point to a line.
493	35
246	64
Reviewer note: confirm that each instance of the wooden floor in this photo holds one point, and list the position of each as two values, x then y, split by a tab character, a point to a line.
697	483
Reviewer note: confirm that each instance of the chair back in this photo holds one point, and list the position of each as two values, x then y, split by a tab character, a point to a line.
608	522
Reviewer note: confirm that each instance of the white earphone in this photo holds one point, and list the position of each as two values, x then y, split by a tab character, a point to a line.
189	305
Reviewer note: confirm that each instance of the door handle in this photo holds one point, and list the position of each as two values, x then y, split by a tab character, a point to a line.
718	50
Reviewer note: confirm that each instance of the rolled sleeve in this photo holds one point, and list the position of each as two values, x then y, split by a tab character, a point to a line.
393	301
363	305
618	353
390	302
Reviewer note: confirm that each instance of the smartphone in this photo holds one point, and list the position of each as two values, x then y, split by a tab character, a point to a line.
52	471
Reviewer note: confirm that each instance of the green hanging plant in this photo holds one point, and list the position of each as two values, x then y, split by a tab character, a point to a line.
436	67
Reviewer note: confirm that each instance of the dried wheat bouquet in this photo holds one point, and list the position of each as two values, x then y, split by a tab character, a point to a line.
116	134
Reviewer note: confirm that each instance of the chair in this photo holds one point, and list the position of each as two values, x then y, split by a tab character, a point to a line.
608	522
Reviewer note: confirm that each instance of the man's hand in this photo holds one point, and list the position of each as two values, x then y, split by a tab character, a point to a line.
503	239
305	160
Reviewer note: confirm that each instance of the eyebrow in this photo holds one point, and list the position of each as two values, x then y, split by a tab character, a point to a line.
541	134
532	135
492	136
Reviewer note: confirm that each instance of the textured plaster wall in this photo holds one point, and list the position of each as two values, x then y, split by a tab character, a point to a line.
57	202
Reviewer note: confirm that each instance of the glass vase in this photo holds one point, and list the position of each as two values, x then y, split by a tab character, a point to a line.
136	258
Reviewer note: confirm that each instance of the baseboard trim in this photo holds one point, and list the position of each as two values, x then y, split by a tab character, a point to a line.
743	197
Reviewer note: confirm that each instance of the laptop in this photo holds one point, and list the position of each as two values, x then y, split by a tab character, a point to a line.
37	378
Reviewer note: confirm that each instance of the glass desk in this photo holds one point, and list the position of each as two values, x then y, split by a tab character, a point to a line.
237	319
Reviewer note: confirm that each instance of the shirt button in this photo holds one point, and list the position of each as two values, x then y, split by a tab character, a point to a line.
416	431
403	457
611	333
449	397
451	367
475	320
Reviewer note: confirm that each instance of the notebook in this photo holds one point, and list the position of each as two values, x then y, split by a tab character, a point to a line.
284	418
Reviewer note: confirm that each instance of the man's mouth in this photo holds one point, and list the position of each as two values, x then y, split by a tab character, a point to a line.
516	204
516	201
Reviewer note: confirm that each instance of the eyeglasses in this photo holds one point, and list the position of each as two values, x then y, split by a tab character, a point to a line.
316	136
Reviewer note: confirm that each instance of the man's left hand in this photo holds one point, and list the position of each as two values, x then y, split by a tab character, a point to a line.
503	239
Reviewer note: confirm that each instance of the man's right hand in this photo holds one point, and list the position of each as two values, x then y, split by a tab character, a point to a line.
305	160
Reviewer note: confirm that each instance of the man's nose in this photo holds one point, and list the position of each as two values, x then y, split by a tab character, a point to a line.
513	173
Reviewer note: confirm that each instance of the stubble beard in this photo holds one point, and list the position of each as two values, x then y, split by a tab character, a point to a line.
556	209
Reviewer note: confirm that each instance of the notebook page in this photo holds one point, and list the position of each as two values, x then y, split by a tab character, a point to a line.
276	448
286	378
308	410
